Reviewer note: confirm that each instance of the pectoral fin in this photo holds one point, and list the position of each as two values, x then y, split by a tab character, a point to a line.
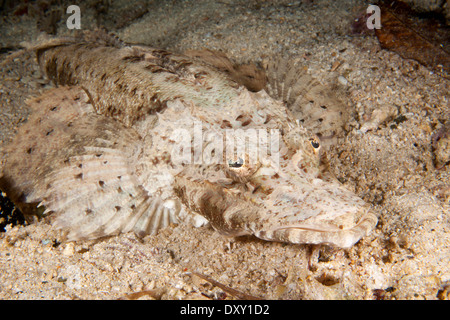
81	167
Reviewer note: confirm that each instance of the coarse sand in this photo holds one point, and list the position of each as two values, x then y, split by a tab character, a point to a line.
385	155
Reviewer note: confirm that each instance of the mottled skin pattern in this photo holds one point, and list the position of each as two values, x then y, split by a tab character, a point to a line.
102	155
129	83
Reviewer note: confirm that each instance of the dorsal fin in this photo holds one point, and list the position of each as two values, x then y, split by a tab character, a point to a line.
316	106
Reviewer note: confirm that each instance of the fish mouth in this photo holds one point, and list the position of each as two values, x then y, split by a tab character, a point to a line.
338	236
282	208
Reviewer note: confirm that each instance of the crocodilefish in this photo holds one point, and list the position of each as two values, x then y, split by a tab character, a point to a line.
136	139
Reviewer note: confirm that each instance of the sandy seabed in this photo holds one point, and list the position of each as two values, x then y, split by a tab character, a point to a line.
385	156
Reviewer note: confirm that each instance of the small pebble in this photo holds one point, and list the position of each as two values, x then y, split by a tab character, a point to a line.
379	116
342	80
199	221
69	250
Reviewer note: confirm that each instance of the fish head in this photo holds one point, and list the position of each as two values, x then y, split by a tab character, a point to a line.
275	183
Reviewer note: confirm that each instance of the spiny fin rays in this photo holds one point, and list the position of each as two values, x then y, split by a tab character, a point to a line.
83	170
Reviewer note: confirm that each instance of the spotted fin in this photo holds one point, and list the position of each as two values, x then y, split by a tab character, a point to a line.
248	75
81	167
316	106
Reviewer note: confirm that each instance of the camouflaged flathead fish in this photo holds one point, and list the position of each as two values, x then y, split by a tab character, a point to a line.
134	138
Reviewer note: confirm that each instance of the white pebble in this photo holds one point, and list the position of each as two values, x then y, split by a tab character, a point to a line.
199	221
69	250
342	80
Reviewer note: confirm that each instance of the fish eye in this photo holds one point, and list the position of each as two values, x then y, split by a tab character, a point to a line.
236	164
315	144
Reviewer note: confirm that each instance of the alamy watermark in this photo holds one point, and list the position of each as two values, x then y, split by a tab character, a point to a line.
373	21
74	21
230	146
